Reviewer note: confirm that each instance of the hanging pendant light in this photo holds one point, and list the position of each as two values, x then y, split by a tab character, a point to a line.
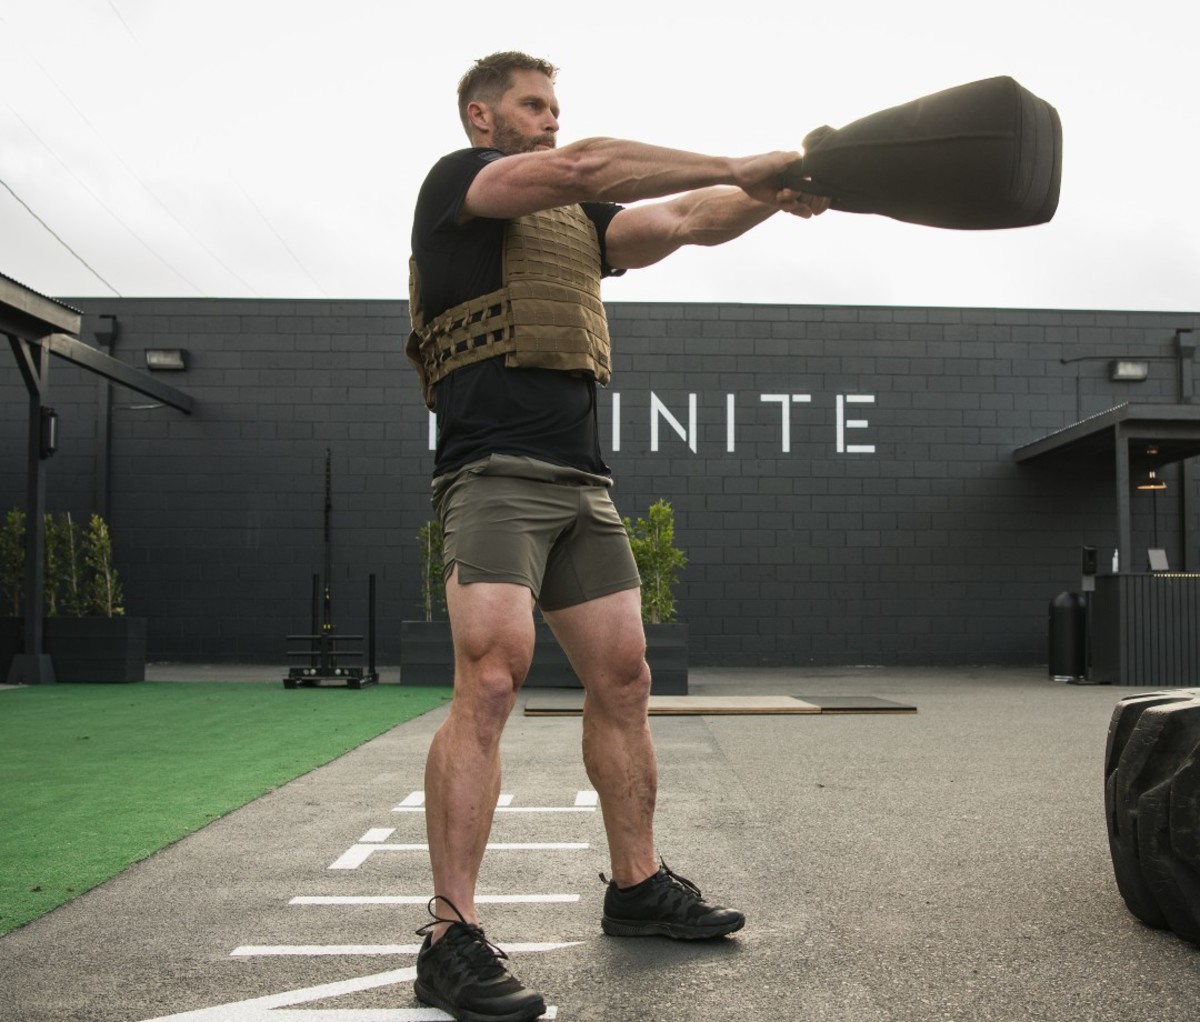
1152	483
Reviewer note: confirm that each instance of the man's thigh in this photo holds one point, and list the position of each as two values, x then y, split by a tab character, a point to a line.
565	542
592	559
604	638
500	529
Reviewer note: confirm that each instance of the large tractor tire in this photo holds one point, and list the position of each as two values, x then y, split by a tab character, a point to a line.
1152	802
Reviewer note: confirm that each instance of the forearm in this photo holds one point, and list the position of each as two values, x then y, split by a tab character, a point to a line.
620	170
713	216
642	235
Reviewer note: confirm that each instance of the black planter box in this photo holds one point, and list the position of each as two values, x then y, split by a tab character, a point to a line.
83	648
109	649
12	642
427	657
426	653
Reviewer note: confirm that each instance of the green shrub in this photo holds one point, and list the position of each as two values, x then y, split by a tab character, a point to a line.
433	590
79	578
12	563
658	561
102	588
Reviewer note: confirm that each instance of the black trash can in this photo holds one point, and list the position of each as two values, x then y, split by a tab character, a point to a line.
1068	637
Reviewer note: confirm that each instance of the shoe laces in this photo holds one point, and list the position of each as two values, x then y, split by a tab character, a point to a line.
482	952
672	877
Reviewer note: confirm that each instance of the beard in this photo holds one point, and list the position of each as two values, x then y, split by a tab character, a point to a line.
510	141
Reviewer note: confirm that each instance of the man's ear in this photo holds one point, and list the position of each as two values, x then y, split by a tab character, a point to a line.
479	118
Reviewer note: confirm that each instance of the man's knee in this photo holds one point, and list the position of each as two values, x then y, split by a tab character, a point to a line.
624	686
487	690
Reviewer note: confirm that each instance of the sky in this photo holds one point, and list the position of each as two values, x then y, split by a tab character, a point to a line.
274	148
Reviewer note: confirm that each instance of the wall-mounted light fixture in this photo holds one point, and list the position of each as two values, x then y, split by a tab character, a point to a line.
1125	370
166	359
48	441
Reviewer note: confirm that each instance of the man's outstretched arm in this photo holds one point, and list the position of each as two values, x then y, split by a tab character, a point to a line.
642	235
612	170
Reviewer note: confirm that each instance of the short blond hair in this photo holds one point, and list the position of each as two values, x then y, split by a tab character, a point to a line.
490	78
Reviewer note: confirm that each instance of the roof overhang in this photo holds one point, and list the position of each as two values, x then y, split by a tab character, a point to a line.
1172	430
26	313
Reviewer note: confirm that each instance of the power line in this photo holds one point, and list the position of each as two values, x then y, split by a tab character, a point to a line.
149	191
122	20
166	209
91	268
271	228
111	212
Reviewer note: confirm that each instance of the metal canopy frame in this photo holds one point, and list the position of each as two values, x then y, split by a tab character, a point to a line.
38	327
1121	437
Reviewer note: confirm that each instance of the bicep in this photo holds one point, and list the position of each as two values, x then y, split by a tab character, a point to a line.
518	185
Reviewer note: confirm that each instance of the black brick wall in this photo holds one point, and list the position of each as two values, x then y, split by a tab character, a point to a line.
934	547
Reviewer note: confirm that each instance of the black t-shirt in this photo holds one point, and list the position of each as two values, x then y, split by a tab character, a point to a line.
487	408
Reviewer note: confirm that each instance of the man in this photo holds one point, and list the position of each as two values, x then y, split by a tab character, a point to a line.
510	240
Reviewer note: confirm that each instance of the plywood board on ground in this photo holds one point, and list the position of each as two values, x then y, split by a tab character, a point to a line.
858	704
572	705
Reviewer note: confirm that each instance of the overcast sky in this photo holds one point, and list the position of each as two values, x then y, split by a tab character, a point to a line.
274	148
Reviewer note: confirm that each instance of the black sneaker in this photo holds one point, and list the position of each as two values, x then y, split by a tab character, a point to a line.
464	976
665	905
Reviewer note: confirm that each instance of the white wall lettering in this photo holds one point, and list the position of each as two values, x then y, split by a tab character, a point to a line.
690	434
844	424
785	413
659	410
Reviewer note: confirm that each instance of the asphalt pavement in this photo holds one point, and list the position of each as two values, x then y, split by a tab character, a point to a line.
950	864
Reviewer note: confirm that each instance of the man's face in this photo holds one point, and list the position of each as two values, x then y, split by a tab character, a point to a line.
526	118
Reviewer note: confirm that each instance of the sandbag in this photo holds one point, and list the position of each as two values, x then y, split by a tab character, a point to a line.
981	156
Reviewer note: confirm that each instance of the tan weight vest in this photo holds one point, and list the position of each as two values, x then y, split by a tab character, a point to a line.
547	314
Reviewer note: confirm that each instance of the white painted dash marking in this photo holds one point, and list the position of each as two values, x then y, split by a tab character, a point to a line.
423	899
319	950
377	835
357	854
282	1007
325	950
545	809
585	802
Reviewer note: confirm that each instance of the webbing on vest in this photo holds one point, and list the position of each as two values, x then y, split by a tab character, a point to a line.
548	314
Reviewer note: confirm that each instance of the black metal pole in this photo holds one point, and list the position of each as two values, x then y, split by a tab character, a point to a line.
328	620
33	667
371	623
1185	348
328	661
315	621
35	520
105	341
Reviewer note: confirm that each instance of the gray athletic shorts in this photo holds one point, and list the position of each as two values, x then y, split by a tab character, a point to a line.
549	528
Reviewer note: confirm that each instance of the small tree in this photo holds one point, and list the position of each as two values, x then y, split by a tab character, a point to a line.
102	588
65	586
12	562
658	561
433	590
79	577
52	559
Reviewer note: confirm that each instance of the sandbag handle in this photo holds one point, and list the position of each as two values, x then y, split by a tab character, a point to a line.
793	176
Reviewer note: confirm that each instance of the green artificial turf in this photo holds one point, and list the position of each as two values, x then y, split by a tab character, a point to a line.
94	778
